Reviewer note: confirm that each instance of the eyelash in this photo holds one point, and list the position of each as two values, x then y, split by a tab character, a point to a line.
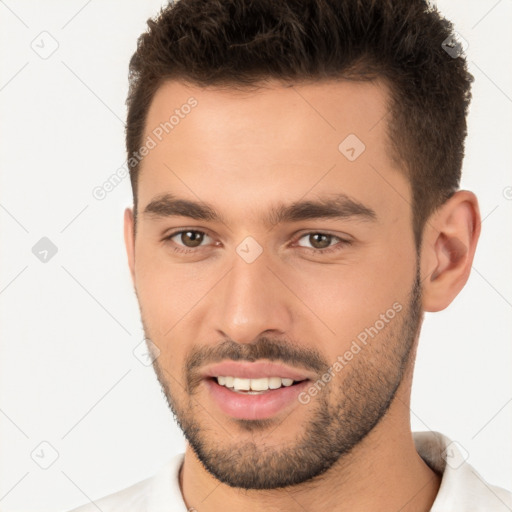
336	247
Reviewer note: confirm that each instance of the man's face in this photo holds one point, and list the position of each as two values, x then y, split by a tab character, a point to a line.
297	261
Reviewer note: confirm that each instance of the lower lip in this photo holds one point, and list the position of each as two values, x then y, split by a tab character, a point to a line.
254	407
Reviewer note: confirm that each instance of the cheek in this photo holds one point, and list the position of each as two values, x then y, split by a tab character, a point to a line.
168	290
167	295
350	298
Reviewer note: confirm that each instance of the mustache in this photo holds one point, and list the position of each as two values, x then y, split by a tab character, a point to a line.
267	348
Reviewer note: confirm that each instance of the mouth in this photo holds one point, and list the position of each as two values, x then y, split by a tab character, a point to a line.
256	386
254	391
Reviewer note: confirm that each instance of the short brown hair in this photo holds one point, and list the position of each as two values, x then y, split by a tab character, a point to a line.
240	43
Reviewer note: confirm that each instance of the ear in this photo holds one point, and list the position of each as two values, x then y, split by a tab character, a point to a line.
129	240
449	242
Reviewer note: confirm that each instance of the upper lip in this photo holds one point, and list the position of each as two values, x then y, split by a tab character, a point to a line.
254	370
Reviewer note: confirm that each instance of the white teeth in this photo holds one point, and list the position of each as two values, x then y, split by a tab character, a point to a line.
242	384
260	384
274	382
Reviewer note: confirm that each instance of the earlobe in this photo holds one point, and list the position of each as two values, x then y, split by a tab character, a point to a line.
450	239
129	241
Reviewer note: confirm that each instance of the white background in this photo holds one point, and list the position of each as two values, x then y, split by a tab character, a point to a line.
67	372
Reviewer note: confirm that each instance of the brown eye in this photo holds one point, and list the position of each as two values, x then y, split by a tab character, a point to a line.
320	240
188	238
192	238
317	240
322	243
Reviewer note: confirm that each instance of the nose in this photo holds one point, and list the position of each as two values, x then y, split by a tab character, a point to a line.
252	302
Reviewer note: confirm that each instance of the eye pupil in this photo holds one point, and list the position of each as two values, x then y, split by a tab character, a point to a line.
192	238
319	240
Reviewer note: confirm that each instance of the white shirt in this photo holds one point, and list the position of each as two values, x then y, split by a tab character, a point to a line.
462	488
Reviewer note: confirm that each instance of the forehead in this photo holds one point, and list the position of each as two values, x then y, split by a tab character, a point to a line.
313	110
278	139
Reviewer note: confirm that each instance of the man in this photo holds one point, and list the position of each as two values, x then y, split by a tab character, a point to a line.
295	170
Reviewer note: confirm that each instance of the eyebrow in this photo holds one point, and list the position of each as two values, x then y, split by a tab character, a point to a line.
337	206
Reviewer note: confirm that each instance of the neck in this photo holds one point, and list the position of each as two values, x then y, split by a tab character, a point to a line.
383	472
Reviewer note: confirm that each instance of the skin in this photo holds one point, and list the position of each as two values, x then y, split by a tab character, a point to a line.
243	153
